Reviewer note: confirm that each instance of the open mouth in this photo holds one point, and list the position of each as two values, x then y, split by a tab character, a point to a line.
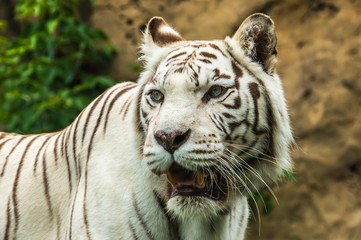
184	182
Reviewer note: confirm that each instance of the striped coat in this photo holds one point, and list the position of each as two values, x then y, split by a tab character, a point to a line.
174	156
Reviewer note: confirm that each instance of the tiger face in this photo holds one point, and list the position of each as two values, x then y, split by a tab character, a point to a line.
216	126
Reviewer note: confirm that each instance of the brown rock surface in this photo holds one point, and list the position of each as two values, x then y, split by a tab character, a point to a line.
320	64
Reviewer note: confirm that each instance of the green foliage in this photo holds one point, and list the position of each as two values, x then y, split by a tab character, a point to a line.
265	200
290	176
51	70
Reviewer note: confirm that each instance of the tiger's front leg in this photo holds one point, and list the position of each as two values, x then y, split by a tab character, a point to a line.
119	210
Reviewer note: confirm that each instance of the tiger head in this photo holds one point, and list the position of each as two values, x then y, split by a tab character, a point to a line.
214	115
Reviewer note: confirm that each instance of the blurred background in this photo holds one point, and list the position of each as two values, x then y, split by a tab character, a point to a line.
56	56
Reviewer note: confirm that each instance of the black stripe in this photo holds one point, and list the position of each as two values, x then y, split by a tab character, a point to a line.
149	154
67	154
75	133
173	57
176	49
58	227
138	124
172	223
254	90
236	103
105	103
92	107
223	76
85	218
205	61
4	142
270	122
149	103
16	183
224	211
62	142
215	123
3	135
227	115
38	153
218	124
221	119
67	159
226	96
194	75
144	114
198	45
55	150
141	219
46	186
234	125
125	105
218	75
126	109
115	98
270	114
8	221
132	229
149	163
72	213
11	151
93	134
223	127
214	46
208	55
236	69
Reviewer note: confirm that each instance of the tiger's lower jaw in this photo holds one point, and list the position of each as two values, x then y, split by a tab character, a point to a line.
187	207
191	184
194	203
195	193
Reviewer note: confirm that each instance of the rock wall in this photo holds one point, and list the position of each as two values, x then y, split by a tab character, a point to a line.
319	45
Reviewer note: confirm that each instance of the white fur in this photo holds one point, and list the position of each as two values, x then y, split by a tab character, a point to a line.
113	196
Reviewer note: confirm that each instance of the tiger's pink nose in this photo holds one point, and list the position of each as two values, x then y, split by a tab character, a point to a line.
171	140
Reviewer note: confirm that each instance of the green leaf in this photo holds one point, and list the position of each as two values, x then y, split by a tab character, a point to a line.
290	176
33	41
52	25
2	25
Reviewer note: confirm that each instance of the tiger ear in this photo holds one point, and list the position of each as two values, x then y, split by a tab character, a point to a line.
157	36
159	33
256	36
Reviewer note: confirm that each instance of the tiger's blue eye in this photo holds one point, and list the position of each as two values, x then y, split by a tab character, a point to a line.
156	96
216	91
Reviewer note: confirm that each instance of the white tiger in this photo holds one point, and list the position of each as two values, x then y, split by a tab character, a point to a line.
174	156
